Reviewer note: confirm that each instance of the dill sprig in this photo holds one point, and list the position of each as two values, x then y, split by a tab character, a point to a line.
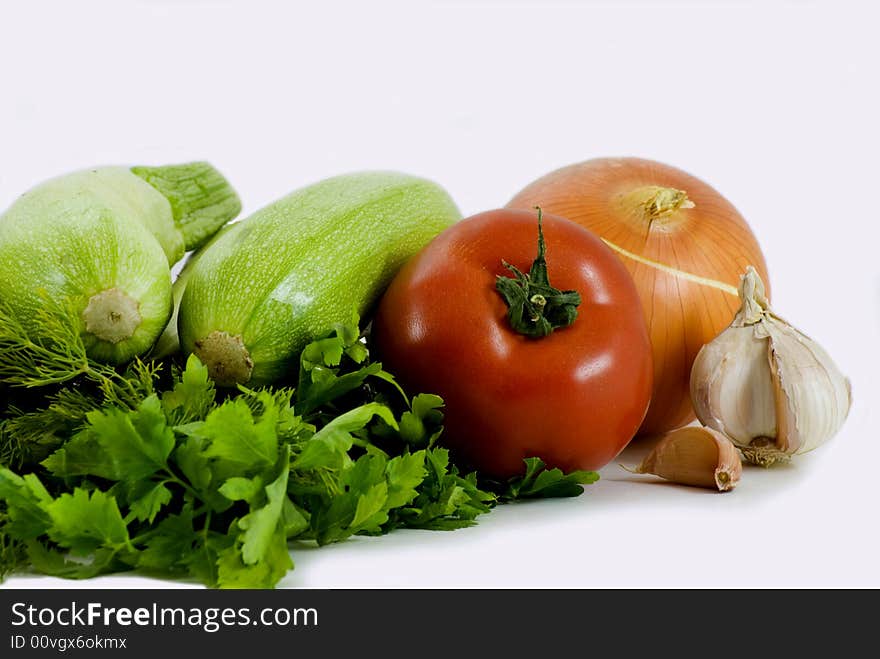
47	351
39	358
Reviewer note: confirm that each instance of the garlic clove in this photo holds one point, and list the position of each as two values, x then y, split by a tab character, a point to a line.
812	396
731	387
695	456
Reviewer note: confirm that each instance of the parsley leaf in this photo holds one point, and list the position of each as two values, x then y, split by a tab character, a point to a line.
237	441
541	483
117	445
85	521
146	506
445	500
170	543
233	572
54	563
262	523
25	499
193	395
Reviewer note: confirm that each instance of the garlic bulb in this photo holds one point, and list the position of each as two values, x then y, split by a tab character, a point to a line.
769	388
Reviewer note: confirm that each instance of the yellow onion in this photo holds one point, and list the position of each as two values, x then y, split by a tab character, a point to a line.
685	246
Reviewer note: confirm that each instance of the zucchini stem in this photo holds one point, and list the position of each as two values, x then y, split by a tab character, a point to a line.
112	316
227	358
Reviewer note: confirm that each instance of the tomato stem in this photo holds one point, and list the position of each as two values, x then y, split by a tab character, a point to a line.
534	307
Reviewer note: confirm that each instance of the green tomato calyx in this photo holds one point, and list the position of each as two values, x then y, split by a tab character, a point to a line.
534	308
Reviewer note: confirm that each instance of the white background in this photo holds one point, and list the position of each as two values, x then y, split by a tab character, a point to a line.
775	104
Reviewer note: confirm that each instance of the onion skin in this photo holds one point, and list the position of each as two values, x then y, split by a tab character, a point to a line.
697	237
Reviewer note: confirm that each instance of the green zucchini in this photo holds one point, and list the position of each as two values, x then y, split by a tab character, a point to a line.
98	244
294	269
169	342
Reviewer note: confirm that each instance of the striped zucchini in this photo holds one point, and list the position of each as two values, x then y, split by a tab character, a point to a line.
274	281
99	244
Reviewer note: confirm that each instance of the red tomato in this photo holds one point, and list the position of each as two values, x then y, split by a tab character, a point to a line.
574	398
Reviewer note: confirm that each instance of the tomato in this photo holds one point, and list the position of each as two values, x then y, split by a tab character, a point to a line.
574	397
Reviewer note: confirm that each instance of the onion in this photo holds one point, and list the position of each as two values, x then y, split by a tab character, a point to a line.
685	246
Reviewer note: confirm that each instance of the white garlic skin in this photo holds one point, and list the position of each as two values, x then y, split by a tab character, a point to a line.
768	387
742	413
815	396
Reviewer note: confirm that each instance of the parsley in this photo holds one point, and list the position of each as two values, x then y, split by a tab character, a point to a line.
152	469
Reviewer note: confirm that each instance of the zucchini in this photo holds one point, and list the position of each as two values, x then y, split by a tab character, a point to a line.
273	282
169	342
97	246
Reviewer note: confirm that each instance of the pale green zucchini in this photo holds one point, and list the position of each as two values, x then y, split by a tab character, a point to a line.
99	244
292	270
168	342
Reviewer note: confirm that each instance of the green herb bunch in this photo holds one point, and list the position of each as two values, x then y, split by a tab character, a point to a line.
152	469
